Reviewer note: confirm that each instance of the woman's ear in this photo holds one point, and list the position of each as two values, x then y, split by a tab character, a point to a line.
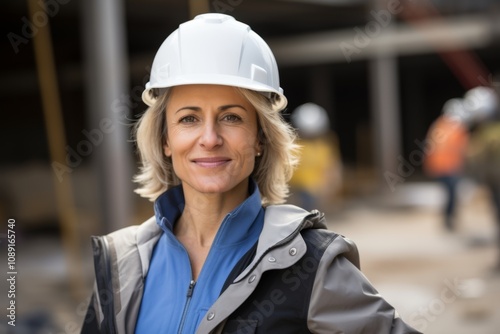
260	136
259	145
166	149
258	148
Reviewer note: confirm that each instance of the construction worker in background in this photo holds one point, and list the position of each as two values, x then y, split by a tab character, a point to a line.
483	153
447	140
318	177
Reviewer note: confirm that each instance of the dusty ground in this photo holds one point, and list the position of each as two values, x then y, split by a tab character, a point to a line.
440	282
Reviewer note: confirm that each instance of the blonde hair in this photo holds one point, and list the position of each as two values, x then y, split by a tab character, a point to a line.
272	171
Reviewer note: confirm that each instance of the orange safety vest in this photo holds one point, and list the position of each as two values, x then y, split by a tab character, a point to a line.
447	142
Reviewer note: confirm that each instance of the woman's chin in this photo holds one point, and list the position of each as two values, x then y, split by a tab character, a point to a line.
216	186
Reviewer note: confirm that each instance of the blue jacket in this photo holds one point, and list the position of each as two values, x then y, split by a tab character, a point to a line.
172	301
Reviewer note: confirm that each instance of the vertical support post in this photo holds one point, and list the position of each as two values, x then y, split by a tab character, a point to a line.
108	100
384	90
384	95
56	136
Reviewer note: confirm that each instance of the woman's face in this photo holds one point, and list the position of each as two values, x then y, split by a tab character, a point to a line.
211	138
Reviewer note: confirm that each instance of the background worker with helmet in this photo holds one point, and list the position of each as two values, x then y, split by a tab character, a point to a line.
318	177
448	138
221	254
483	153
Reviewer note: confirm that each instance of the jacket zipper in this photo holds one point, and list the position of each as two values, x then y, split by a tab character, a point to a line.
186	305
191	288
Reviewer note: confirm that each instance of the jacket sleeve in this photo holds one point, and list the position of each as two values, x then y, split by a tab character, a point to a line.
344	301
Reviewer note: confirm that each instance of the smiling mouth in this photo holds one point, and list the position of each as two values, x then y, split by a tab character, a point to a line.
211	162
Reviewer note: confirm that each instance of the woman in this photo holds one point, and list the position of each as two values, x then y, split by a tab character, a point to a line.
220	255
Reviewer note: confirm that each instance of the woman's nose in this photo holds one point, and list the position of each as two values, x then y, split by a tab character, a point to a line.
210	137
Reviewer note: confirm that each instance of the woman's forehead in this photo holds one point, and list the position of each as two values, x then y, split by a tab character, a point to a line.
206	96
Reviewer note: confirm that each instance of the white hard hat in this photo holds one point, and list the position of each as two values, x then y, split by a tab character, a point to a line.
455	109
215	49
482	102
311	120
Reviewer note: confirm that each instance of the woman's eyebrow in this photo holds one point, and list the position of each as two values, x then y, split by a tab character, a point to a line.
193	108
229	106
221	108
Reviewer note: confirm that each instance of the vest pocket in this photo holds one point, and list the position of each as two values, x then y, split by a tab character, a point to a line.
240	326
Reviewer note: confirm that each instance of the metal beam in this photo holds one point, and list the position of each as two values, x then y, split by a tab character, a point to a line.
361	43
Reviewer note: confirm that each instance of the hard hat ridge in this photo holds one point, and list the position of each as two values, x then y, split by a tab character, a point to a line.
215	49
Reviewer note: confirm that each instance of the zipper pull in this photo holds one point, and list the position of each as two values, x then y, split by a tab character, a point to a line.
191	288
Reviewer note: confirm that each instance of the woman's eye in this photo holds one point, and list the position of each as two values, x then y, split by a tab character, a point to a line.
232	118
187	119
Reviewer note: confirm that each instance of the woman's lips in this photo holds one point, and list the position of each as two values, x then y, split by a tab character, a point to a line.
211	162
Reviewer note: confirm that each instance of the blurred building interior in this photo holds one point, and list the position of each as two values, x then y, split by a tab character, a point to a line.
382	69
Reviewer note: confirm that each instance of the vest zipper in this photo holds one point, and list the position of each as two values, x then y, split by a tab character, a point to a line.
186	306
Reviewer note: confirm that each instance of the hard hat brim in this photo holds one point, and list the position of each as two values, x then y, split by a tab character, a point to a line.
277	98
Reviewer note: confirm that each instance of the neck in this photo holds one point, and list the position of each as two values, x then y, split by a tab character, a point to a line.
204	212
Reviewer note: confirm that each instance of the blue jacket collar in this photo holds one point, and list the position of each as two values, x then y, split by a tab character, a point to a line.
169	206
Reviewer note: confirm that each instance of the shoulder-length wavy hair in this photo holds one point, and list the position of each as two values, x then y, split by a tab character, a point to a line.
272	171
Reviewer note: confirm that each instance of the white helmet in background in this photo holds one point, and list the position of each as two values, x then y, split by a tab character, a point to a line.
455	109
215	49
481	102
311	120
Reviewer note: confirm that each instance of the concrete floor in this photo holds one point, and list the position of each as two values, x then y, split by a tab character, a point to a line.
440	282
